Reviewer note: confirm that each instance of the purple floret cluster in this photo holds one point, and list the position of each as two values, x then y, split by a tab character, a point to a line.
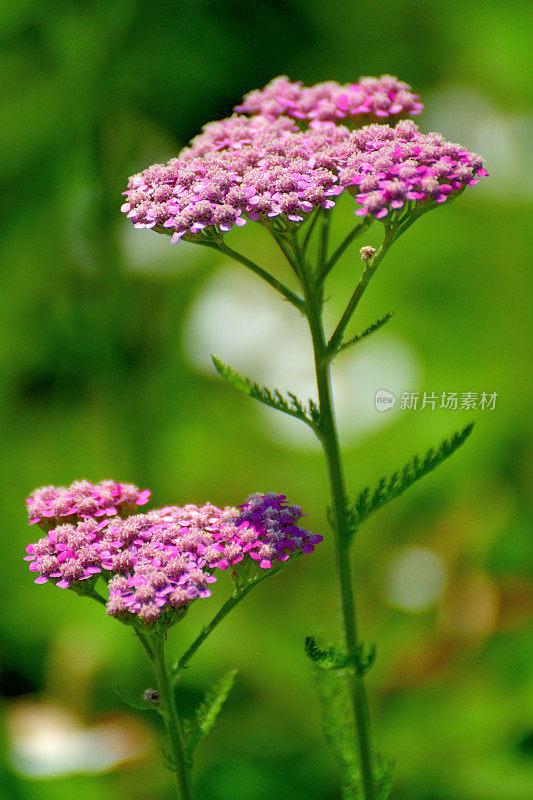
157	563
330	101
262	167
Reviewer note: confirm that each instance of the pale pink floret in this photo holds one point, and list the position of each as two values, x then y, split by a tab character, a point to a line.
83	499
282	177
331	101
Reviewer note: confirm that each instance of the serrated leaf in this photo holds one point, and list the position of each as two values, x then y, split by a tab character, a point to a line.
340	731
326	657
367	332
139	703
198	728
391	487
306	412
339	727
331	657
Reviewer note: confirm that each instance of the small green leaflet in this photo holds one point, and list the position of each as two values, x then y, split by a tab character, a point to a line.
371	329
389	488
197	729
308	413
331	657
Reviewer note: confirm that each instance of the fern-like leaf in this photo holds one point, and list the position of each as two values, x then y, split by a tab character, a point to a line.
389	488
371	329
331	657
198	728
339	726
291	405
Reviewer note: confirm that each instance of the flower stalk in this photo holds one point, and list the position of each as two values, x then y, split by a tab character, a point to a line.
329	440
179	758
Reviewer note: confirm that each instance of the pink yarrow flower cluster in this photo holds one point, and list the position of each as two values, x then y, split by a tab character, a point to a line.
266	530
285	175
268	178
381	97
387	169
159	562
82	499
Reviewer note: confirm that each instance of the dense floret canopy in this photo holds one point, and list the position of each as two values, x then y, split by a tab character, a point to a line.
157	563
238	170
83	499
330	101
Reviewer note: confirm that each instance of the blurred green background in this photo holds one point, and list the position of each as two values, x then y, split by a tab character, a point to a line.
105	336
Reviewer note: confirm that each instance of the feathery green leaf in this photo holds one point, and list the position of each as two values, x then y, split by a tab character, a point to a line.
331	657
198	728
389	488
339	729
307	412
371	329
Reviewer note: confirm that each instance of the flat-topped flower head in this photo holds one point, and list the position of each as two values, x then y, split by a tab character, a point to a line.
157	563
357	103
392	170
237	172
270	177
52	504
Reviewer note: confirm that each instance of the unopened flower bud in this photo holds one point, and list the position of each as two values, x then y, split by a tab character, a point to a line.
367	252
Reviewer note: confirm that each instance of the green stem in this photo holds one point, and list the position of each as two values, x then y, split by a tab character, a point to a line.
330	442
357	231
230	603
183	662
370	267
277	285
324	239
155	649
309	231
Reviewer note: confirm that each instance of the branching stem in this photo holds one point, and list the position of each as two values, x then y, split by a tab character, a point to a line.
155	649
328	437
287	293
344	245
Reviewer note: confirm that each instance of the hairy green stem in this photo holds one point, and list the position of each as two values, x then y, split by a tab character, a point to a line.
230	603
309	231
330	263
370	267
324	240
287	293
329	439
155	649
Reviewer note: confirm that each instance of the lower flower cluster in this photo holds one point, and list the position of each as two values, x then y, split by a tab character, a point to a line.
159	562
